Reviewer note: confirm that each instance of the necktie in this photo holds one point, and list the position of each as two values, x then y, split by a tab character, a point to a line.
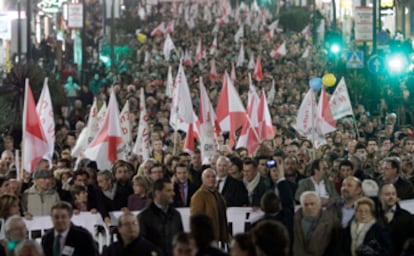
218	185
56	245
182	194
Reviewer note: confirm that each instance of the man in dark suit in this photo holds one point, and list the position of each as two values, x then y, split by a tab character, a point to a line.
232	190
183	187
391	173
398	222
255	183
66	238
159	222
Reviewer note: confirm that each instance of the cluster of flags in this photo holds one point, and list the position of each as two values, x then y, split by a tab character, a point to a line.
314	120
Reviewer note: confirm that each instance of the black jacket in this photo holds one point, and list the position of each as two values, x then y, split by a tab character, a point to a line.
259	190
159	227
140	246
235	193
401	228
78	239
105	205
177	197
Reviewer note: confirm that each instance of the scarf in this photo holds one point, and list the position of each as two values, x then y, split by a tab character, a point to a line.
358	233
250	186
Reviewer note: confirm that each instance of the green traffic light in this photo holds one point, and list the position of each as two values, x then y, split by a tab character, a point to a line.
397	63
335	48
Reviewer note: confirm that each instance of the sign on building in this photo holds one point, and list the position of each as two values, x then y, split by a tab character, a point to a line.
363	23
75	16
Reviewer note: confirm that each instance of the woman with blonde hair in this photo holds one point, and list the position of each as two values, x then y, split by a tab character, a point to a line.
364	235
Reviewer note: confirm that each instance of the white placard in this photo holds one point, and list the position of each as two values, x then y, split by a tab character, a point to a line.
75	16
363	23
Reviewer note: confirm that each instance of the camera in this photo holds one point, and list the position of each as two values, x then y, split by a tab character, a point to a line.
271	163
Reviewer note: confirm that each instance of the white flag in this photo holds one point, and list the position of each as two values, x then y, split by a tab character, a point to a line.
340	102
306	52
240	58
239	34
272	93
168	47
142	142
252	63
44	109
169	84
125	147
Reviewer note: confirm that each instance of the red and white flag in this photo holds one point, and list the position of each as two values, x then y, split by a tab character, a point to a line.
200	54
307	122
168	47
125	147
169	84
213	46
326	122
100	120
266	129
230	111
159	30
240	58
35	145
249	135
213	70
207	121
170	27
270	35
142	142
44	109
103	149
340	102
258	73
188	61
279	52
182	106
189	144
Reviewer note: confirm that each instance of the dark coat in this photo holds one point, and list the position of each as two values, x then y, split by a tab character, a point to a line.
159	227
401	228
140	246
285	215
235	193
258	192
105	205
324	239
78	238
177	197
376	236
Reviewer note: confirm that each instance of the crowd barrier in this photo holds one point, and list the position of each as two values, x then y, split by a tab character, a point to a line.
239	220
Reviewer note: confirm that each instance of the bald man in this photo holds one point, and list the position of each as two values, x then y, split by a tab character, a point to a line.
207	200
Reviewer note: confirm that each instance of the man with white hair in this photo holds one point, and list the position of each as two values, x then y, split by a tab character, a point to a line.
207	200
16	232
316	231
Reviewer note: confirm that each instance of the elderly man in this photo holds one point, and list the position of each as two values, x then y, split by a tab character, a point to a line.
391	173
66	238
399	222
159	222
39	199
320	183
130	240
16	232
316	231
207	200
232	190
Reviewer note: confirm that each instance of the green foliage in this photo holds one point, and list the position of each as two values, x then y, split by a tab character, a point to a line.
294	19
13	89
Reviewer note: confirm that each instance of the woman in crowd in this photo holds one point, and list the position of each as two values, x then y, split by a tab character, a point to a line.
365	235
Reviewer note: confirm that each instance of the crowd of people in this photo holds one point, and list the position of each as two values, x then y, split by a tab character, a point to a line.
342	198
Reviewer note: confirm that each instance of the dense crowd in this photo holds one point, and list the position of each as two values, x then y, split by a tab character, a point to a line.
341	198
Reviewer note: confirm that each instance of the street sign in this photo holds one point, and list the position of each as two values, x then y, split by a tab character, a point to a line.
355	59
363	23
376	64
383	37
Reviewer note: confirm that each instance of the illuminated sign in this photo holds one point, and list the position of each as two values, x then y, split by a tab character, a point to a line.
51	6
387	3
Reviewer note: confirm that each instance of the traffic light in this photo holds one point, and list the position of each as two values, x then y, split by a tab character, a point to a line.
334	43
398	59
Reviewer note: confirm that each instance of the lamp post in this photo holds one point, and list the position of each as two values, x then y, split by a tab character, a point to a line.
19	30
29	29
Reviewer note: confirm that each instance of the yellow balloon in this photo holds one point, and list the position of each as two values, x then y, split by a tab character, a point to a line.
329	80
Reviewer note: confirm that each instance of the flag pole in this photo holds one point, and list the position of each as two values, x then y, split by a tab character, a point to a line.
313	127
355	126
